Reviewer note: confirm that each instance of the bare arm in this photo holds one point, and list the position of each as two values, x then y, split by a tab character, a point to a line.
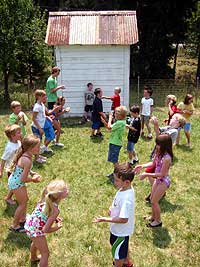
48	228
109	219
151	110
107	97
53	90
36	123
2	167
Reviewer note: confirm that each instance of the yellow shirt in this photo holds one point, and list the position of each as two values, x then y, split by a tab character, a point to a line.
189	107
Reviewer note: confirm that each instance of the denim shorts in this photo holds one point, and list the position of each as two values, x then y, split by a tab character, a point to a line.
130	146
96	125
119	246
113	153
145	118
48	131
187	127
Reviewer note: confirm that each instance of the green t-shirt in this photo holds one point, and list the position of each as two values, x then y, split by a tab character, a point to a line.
51	84
117	132
13	118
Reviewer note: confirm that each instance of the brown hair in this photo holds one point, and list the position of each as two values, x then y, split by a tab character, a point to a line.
39	92
11	130
28	142
59	100
15	104
165	143
187	99
148	89
122	111
124	172
54	70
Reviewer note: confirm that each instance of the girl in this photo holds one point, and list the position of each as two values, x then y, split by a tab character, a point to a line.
162	161
57	111
21	174
172	107
186	109
43	218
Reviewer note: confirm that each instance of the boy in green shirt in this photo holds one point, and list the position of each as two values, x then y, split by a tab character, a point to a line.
18	116
117	131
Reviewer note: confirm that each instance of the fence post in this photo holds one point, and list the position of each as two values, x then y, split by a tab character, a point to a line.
138	89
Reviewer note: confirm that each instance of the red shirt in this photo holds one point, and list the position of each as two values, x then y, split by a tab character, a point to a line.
115	101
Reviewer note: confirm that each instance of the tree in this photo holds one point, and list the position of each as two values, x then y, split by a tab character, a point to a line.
16	30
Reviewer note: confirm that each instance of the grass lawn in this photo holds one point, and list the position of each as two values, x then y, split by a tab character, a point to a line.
82	163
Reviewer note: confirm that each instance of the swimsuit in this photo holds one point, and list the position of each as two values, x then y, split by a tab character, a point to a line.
159	162
14	180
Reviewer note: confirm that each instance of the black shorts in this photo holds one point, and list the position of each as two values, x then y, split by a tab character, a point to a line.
119	246
50	105
88	108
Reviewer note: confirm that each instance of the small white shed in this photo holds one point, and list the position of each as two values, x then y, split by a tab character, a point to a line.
92	47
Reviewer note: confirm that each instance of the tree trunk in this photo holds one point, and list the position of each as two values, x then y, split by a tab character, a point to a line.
6	92
175	61
198	66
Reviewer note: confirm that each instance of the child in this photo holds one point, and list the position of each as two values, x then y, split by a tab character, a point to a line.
172	107
57	111
18	116
22	174
133	133
147	110
186	109
121	216
52	87
117	130
44	219
162	162
41	124
115	98
89	99
97	113
13	132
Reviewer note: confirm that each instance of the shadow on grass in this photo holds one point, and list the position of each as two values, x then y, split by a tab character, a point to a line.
161	237
184	148
9	210
96	139
20	240
166	206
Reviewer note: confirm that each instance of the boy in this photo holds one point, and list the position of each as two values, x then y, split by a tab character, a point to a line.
147	110
121	216
41	124
13	132
52	87
97	113
115	98
18	117
117	130
89	99
133	133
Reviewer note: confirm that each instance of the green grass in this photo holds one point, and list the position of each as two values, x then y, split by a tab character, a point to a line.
82	163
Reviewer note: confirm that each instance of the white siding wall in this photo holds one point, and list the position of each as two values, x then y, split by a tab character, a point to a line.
104	66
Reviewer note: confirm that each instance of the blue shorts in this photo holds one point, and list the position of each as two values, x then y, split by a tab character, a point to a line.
119	246
130	146
96	125
113	153
48	131
187	127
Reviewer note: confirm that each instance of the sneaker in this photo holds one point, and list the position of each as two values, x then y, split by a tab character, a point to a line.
149	136
111	175
94	136
154	224
45	149
40	160
99	134
148	198
58	144
42	157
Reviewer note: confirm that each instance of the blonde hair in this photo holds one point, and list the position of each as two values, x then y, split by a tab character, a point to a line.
15	104
11	130
28	142
122	111
53	192
39	92
181	119
118	89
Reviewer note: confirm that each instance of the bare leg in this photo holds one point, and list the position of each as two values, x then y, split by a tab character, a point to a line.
148	127
119	263
157	193
187	134
178	138
56	125
40	243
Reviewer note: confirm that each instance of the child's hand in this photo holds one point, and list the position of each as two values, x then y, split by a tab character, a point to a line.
58	219
127	126
99	219
142	176
103	120
41	131
138	168
59	225
110	114
154	119
36	178
67	109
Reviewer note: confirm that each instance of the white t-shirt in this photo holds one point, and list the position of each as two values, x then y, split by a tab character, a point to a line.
41	117
9	153
123	206
146	106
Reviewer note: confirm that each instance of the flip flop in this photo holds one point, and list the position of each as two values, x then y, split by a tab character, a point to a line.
17	230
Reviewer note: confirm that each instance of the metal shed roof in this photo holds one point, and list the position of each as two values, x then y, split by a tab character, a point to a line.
92	28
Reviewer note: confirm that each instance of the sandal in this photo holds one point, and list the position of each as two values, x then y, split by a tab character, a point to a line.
154	224
17	230
128	264
148	218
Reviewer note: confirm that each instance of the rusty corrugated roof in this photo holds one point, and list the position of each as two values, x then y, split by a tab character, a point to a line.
92	28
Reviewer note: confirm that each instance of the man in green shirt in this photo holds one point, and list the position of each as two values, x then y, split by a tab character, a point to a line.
52	87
